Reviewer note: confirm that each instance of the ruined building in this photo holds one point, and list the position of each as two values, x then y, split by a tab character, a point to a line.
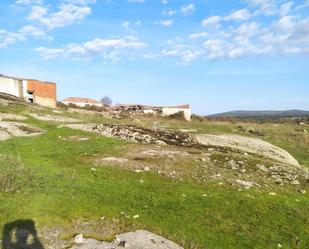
33	91
156	110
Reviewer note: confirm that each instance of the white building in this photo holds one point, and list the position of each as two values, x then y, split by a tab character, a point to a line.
186	109
82	102
30	90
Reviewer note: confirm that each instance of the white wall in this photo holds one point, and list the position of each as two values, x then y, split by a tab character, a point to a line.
167	111
10	86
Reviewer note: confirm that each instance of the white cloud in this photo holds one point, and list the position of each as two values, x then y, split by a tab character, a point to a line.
213	20
135	1
264	7
108	48
33	31
214	48
169	12
239	15
164	1
68	13
129	25
188	9
37	13
50	53
166	23
25	2
9	38
285	8
248	29
196	36
285	23
185	53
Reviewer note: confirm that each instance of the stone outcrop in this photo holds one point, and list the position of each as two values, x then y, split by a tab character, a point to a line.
137	134
54	118
248	145
139	239
16	129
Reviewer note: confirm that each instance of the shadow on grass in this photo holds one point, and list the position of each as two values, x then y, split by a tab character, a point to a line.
20	234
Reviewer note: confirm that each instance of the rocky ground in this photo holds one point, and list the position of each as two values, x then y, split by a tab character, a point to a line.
241	163
139	239
16	129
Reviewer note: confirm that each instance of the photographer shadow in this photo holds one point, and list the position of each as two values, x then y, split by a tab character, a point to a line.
20	234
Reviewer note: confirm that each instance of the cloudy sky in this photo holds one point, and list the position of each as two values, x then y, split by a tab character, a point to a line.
216	55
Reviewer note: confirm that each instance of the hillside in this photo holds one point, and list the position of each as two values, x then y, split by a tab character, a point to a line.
262	114
193	185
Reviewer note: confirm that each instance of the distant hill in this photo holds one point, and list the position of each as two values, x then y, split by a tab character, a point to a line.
261	114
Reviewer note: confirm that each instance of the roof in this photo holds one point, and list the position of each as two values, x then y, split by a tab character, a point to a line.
19	78
179	107
81	100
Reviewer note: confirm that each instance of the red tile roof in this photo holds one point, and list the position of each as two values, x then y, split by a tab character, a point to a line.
81	100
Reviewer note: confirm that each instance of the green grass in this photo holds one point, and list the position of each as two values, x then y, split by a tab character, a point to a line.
63	189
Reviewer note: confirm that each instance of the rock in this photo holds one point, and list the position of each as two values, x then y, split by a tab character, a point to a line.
115	160
79	239
9	116
146	169
164	153
4	135
302	191
17	129
139	239
262	168
232	164
295	182
53	118
136	216
137	134
245	184
279	181
247	145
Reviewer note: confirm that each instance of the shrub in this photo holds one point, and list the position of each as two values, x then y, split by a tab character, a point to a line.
13	174
179	116
61	105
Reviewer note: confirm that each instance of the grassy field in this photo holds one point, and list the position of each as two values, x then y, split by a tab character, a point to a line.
55	183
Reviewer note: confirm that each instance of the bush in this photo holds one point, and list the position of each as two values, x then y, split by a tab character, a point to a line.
13	174
179	116
94	108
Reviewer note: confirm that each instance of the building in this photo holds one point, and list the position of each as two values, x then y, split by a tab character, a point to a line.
82	102
155	110
34	91
186	109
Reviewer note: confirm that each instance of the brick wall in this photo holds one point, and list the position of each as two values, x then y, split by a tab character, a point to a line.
44	93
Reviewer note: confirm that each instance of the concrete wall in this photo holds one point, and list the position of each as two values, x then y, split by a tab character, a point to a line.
11	86
167	111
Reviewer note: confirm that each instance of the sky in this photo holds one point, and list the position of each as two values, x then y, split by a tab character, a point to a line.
215	55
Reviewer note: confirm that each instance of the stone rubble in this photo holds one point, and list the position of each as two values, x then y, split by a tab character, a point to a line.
136	134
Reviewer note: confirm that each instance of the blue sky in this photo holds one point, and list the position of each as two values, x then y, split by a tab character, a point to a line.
216	55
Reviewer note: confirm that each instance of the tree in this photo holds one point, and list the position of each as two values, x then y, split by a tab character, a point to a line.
106	101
